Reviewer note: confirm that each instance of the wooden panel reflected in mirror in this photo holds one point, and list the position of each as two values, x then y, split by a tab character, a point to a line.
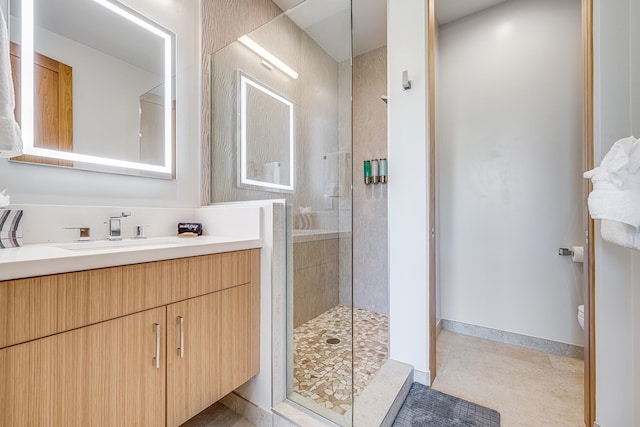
53	100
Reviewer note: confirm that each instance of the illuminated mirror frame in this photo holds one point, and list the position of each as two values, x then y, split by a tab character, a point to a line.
252	183
27	76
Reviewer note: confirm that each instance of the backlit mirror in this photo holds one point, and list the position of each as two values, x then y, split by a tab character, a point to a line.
266	137
94	86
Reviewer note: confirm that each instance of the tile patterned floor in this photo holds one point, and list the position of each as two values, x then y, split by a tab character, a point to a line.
529	388
322	366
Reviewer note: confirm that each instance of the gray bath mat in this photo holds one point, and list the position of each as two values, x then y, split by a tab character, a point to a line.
427	407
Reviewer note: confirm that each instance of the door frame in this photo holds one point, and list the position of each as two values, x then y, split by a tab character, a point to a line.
588	223
588	163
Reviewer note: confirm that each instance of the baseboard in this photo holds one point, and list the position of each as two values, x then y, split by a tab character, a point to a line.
438	327
540	344
423	378
255	414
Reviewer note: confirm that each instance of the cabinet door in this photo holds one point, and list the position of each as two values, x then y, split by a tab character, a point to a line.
214	355
100	375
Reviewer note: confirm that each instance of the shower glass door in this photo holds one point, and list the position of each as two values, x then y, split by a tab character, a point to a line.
319	285
281	129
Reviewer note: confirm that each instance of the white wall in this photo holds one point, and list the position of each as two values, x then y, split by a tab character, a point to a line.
617	299
510	168
36	184
407	187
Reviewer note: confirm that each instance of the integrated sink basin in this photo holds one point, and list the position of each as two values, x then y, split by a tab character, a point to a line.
96	245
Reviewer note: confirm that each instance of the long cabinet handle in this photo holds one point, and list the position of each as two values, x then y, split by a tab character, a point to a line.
181	348
156	358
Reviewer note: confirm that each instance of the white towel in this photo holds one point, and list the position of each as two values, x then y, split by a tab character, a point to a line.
620	234
271	172
337	173
332	174
616	184
10	139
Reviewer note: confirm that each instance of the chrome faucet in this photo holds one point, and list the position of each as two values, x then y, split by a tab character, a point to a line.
115	226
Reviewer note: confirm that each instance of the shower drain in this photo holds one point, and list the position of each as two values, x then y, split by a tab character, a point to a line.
333	341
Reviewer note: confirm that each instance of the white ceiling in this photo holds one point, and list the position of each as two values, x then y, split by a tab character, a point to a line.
326	21
369	25
450	10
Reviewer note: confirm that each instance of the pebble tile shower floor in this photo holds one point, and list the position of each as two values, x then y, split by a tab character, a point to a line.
322	366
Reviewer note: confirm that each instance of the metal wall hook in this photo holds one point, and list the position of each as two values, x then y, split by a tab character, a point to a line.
406	83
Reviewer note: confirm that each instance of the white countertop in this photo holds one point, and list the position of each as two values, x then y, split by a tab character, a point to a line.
52	258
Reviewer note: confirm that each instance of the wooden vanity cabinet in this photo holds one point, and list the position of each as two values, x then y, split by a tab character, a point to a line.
106	372
100	375
207	337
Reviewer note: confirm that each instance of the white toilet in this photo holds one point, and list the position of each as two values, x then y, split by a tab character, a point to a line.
581	315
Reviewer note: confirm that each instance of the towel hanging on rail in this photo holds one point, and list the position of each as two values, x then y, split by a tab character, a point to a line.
10	137
615	198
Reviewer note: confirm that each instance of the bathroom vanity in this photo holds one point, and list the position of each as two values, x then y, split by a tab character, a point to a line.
149	343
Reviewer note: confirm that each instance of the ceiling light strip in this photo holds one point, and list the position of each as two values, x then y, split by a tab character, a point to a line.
267	56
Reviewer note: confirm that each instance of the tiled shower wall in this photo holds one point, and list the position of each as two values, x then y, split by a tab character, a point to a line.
370	266
315	278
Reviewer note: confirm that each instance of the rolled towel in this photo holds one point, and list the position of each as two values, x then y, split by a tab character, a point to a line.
10	136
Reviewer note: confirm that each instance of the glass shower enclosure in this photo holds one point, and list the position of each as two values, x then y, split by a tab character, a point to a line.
281	129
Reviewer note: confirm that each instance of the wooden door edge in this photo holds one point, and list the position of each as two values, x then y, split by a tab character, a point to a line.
431	67
589	268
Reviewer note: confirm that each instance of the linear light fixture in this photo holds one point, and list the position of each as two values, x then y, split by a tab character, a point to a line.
268	56
27	92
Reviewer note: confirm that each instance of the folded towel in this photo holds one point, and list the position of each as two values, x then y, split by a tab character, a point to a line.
10	139
616	184
620	234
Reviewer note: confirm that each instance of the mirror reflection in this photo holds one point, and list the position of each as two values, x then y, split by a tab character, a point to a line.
266	137
94	86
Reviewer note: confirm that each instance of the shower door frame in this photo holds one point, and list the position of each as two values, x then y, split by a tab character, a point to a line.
588	223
